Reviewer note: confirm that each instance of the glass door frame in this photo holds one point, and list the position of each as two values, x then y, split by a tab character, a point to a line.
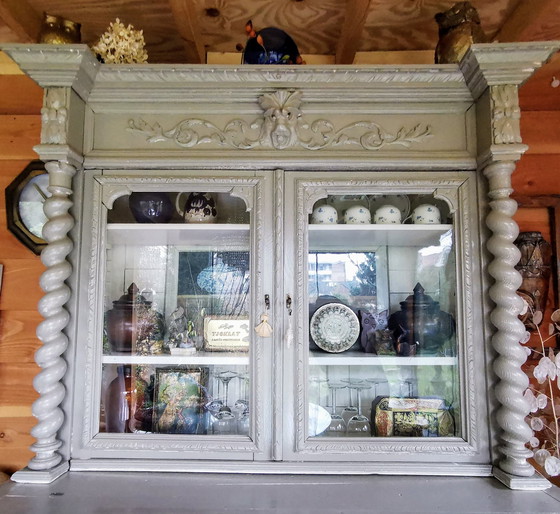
104	187
459	189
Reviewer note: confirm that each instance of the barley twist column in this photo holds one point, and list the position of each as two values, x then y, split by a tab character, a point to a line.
510	330
50	331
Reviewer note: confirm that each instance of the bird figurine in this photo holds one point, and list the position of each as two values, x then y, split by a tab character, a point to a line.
459	28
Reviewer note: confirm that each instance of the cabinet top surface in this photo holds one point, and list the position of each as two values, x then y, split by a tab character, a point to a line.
55	65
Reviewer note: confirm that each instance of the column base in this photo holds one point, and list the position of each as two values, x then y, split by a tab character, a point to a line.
533	483
31	476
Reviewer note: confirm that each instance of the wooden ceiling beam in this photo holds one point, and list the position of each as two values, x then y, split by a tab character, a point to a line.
526	19
186	20
21	19
354	21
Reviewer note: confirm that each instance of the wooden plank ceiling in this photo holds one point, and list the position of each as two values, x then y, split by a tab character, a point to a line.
338	31
179	31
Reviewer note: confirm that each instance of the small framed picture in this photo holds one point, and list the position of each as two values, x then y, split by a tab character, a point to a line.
226	334
179	397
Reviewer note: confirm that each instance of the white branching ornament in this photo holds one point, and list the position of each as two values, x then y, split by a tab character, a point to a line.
121	45
544	401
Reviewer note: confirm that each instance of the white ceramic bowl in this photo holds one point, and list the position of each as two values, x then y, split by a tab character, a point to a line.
387	215
426	214
357	215
324	214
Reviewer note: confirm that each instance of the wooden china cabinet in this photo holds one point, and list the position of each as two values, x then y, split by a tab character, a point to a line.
276	269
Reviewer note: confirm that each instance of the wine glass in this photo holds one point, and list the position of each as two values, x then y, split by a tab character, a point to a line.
358	425
350	410
337	426
225	377
225	423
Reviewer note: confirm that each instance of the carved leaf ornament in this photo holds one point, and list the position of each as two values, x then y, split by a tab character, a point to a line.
281	127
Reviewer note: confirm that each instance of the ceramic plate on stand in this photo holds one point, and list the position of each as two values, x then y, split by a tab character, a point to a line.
334	327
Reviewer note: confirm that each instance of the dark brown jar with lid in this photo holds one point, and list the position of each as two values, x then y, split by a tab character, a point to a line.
125	324
420	327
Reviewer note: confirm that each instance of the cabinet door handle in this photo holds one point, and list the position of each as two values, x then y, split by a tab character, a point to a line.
289	335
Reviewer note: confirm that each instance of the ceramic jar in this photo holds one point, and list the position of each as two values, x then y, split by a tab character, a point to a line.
324	215
426	214
387	215
150	207
420	327
357	215
199	208
131	322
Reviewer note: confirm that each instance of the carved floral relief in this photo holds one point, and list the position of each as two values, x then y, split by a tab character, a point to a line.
54	116
505	114
281	127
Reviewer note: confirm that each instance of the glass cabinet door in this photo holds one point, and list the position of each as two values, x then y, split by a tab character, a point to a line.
378	358
179	284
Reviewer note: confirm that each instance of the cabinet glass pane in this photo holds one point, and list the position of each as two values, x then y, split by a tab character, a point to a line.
382	307
176	326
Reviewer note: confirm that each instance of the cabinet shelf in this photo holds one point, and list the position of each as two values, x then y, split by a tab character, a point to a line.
371	359
199	358
162	234
343	237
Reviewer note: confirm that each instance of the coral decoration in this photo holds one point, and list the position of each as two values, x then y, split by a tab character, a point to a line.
121	45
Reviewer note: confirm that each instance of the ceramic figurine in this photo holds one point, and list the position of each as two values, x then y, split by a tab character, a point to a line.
459	28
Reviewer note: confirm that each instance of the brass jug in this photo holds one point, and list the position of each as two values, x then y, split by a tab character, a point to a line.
56	30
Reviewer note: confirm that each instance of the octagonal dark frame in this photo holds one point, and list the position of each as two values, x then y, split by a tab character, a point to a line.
13	217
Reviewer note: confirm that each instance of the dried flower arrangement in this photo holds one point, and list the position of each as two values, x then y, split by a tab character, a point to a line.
544	398
121	45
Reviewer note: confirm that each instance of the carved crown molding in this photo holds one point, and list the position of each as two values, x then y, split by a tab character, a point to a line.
72	66
491	64
281	127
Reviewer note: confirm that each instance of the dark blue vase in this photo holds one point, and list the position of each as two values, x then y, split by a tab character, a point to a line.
151	207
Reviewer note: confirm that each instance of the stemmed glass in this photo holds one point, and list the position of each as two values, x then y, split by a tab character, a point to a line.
225	421
225	377
349	411
337	426
358	425
376	382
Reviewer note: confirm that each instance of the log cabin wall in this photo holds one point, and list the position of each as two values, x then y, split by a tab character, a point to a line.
538	173
20	105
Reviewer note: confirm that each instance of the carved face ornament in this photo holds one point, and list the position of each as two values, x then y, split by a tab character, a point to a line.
281	114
